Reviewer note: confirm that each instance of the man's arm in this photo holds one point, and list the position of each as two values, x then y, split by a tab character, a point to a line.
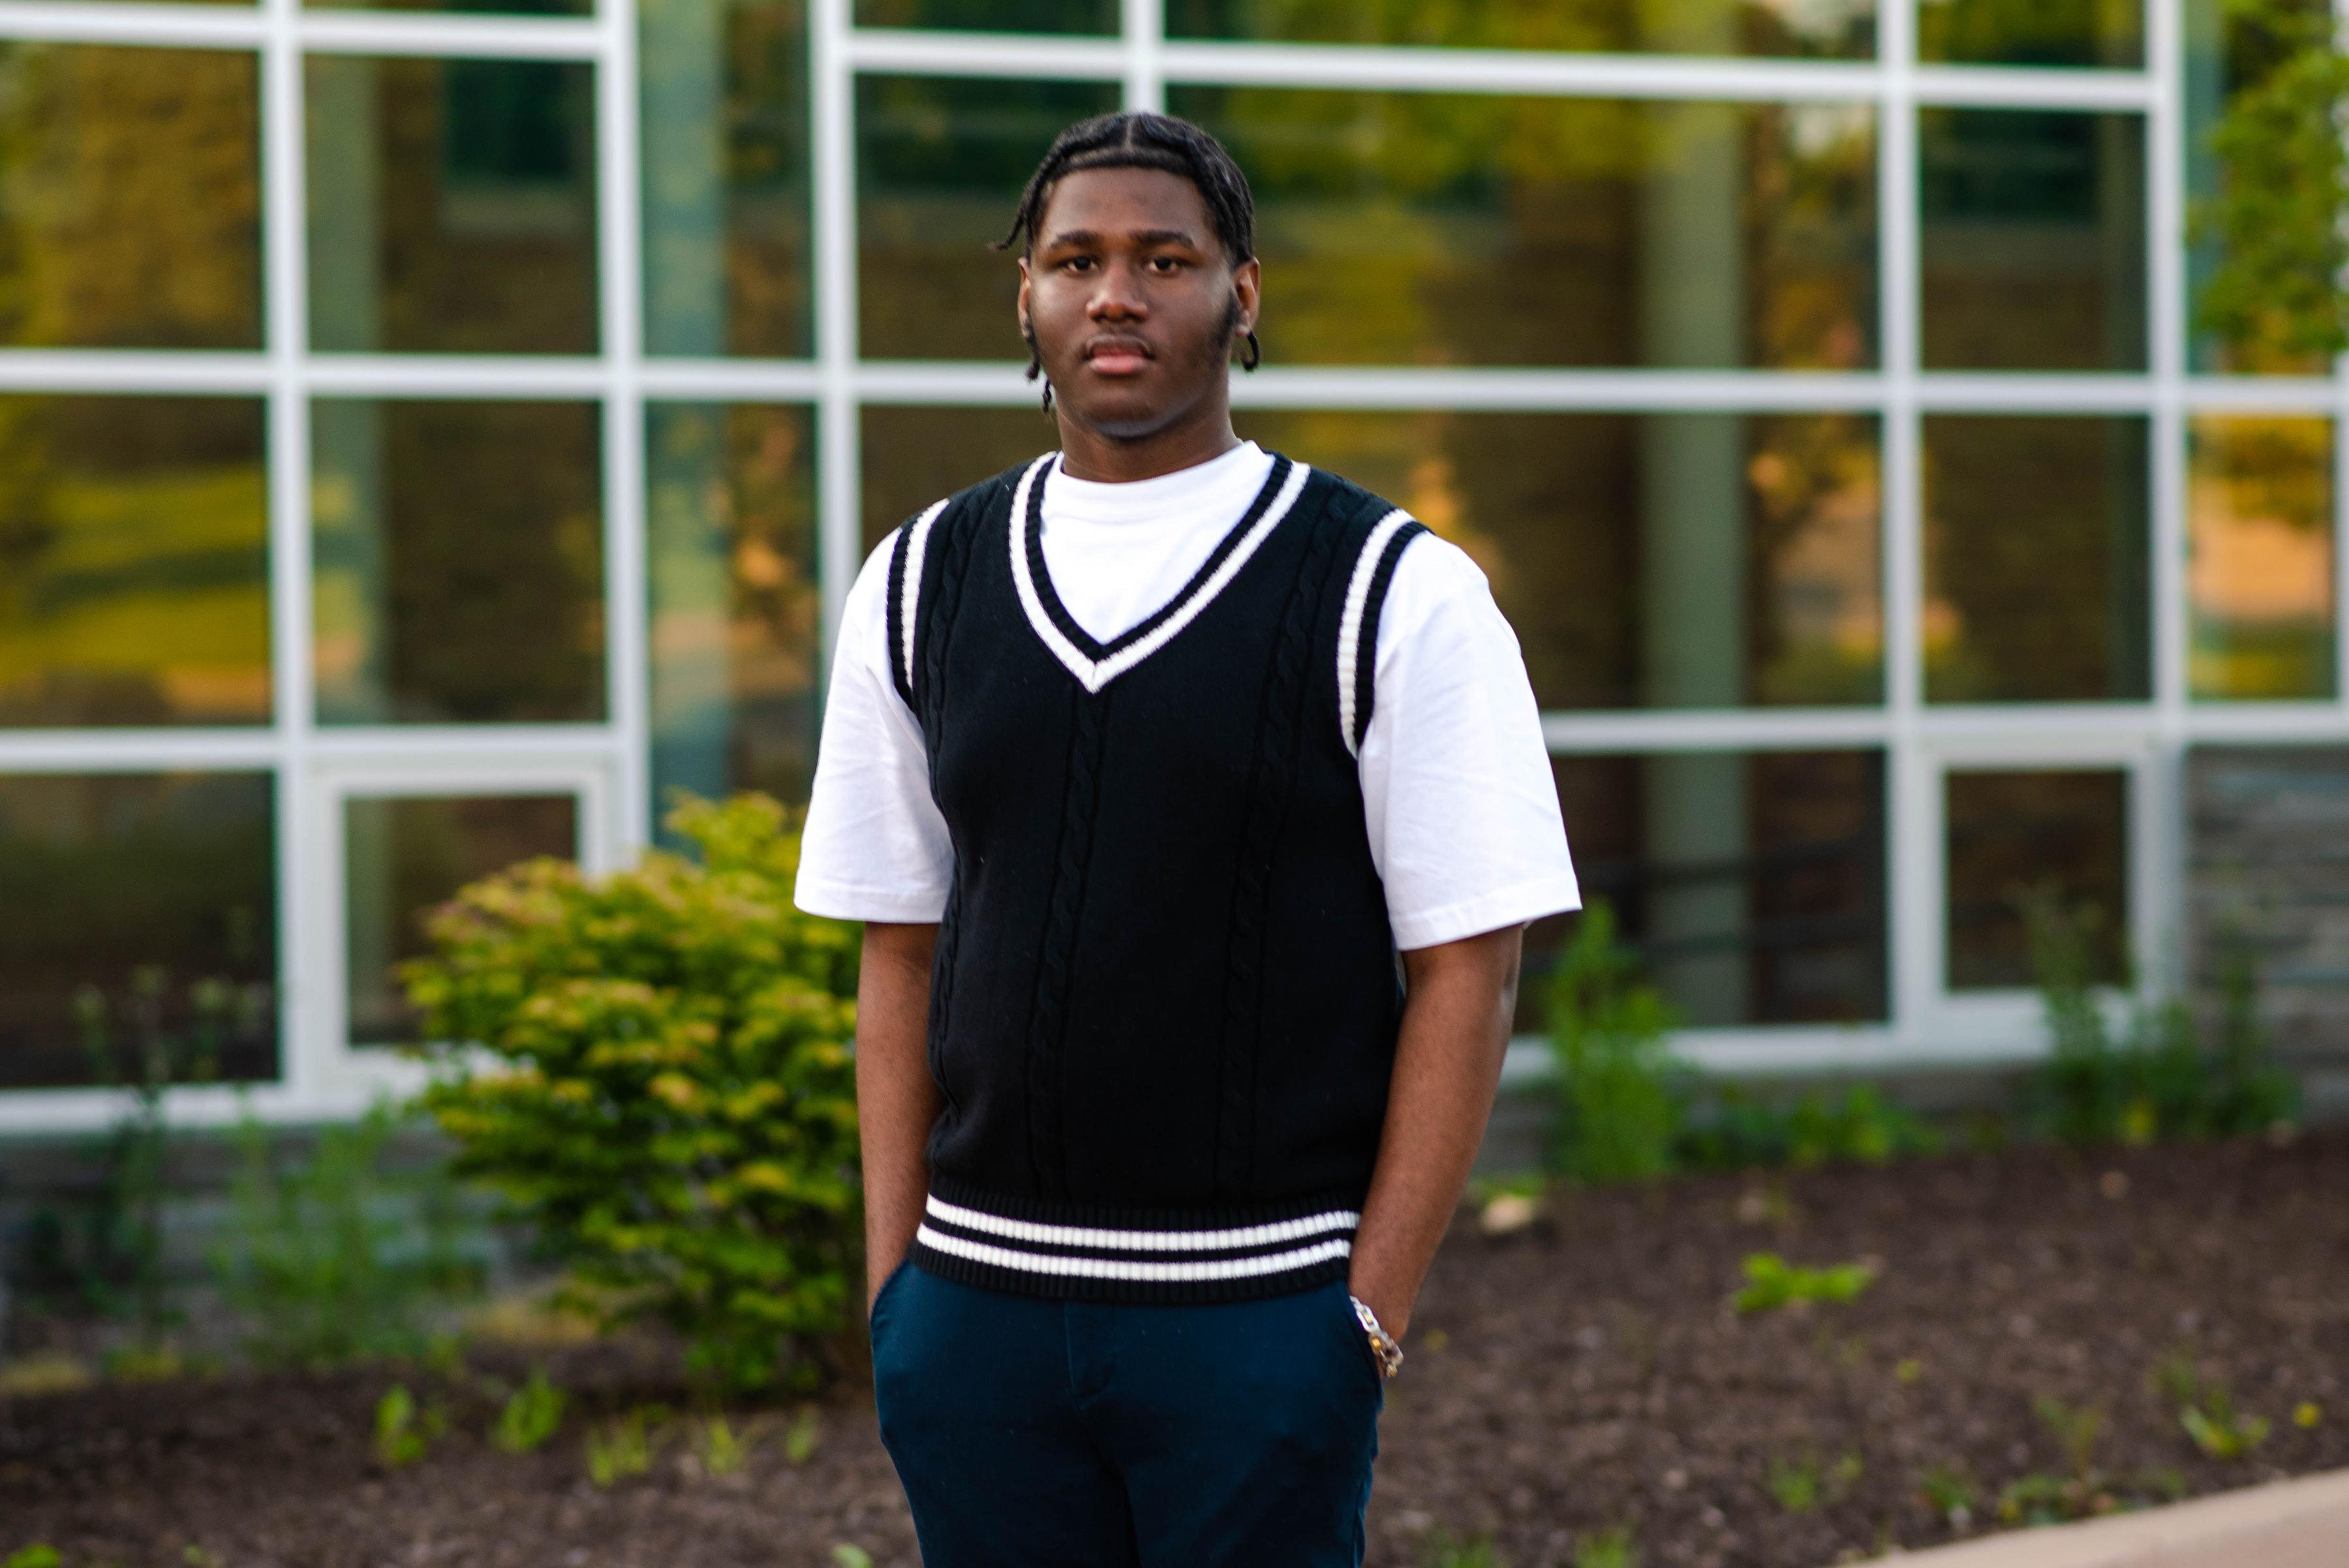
896	1098
1447	1068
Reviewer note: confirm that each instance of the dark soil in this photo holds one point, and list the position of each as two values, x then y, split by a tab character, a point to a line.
1584	1373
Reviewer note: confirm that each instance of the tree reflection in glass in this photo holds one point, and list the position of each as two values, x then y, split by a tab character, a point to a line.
2260	582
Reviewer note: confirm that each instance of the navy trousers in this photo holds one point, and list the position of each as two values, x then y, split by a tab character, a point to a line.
1045	1434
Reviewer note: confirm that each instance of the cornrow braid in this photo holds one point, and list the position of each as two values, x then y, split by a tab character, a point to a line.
1139	139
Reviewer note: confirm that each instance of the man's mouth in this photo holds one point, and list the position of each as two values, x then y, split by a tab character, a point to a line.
1117	356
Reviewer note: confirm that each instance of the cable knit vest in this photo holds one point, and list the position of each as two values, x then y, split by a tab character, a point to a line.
1164	1007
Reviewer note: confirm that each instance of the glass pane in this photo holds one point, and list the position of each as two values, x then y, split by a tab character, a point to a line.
2230	51
2035	558
403	858
912	456
735	606
131	211
459	566
2015	836
134	561
505	7
453	205
992	15
1617	233
941	166
2031	32
2034	244
1840	28
725	109
1752	885
139	889
2259	586
1656	561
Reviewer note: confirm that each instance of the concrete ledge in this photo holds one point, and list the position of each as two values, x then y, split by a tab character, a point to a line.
2301	1523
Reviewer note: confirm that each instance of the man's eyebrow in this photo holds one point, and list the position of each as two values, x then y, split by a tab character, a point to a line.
1139	236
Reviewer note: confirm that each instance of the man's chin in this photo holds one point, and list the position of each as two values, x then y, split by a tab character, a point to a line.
1123	414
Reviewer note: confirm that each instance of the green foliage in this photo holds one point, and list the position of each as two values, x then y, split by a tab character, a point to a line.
404	1433
623	1446
1800	1485
846	1555
2159	1080
2205	1409
668	1091
2278	213
723	1451
1772	1283
37	1555
1619	1113
1444	1551
337	1258
2077	1432
1607	1549
1860	1128
530	1417
1949	1492
800	1439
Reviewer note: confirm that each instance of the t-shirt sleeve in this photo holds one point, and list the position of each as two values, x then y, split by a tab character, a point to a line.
875	846
1457	791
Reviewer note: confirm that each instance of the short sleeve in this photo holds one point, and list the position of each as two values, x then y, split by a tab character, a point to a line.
875	846
1457	792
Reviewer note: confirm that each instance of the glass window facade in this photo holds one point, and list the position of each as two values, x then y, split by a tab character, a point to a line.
1809	378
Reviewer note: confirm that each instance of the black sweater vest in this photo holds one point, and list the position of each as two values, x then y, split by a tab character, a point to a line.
1163	1006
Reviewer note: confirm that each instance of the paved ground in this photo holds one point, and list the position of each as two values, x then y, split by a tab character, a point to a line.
2298	1523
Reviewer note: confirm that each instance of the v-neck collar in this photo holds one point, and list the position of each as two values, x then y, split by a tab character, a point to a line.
1095	663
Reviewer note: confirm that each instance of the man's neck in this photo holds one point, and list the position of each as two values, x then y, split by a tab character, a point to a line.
1092	454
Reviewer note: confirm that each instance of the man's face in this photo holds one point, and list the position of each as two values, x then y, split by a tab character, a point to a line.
1132	305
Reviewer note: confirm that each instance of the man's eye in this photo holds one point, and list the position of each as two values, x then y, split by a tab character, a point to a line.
1165	264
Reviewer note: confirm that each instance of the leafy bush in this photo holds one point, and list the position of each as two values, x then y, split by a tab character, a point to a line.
1772	1283
2157	1080
1619	1111
654	1068
530	1415
336	1258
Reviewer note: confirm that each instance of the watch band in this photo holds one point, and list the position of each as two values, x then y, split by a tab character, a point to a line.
1383	1343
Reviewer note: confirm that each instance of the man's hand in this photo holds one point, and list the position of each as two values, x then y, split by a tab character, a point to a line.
896	1098
1455	1029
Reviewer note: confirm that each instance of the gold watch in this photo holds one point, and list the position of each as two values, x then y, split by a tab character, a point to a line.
1383	1343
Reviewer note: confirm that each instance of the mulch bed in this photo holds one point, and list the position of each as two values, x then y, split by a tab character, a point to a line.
1583	1374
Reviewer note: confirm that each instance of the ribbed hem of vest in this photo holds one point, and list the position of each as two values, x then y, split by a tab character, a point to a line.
1116	1252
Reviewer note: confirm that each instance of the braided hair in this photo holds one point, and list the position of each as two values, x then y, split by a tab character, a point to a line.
1139	139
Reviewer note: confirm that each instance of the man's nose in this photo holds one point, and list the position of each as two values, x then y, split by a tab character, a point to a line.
1117	296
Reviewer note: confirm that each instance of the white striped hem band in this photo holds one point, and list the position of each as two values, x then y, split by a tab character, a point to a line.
1131	1269
1141	1240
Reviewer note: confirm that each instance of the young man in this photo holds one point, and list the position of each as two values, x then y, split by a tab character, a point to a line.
1195	802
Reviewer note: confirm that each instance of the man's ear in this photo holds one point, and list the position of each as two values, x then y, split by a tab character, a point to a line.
1027	333
1247	287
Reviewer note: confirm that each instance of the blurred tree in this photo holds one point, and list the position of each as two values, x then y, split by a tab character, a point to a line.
2283	191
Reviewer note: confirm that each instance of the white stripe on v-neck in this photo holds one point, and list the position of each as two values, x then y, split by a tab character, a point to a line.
1093	674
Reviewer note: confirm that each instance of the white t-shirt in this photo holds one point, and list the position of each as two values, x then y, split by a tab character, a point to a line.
1457	793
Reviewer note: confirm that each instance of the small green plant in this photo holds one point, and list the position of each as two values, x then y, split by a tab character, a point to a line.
1861	1127
1444	1551
846	1555
723	1451
623	1446
404	1432
530	1417
654	1067
37	1555
1949	1492
1607	1549
1772	1283
1619	1112
800	1439
2077	1432
337	1258
2219	1430
1801	1485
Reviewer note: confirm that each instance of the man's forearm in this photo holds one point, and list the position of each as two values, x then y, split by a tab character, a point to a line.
1447	1067
897	1099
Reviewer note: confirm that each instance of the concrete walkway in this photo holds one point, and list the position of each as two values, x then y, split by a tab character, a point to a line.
2298	1523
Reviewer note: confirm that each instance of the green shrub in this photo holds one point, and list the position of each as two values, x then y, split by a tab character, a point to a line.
530	1415
655	1069
336	1259
1620	1108
2157	1080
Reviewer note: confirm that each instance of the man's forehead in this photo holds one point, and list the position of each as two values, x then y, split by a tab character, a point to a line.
1121	202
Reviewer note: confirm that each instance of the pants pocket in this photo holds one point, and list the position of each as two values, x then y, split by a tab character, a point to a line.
881	1297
